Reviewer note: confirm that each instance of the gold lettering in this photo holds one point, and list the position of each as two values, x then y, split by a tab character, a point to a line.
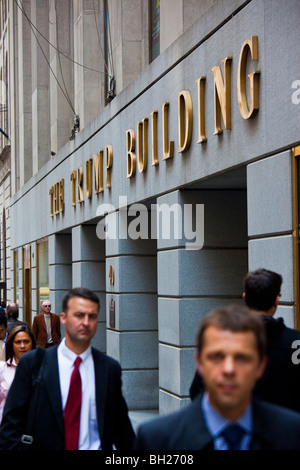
109	162
185	120
168	147
73	179
51	191
62	195
247	113
56	198
201	110
154	115
222	92
98	165
89	178
131	156
142	145
111	275
80	184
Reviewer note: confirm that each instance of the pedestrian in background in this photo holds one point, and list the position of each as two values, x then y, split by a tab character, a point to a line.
280	383
12	313
46	327
19	341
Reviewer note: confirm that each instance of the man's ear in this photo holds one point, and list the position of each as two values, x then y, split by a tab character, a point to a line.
62	318
277	301
244	295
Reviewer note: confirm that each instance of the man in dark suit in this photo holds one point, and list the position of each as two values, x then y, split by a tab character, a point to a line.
102	411
46	327
230	358
280	383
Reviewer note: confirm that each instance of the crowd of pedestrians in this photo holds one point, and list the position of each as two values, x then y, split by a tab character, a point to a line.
244	395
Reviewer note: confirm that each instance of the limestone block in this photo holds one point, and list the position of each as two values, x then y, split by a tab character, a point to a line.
132	274
60	249
269	193
89	274
179	319
176	369
140	389
134	350
133	311
169	403
201	272
60	277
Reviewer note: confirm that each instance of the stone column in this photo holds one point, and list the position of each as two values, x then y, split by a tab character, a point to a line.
60	268
191	282
61	113
88	50
88	270
33	275
18	276
270	224
13	97
127	40
24	95
132	329
40	86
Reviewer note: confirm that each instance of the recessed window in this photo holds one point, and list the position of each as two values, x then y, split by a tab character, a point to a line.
154	29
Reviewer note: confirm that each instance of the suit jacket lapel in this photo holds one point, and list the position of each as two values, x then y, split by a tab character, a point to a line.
51	380
101	383
43	322
196	434
261	438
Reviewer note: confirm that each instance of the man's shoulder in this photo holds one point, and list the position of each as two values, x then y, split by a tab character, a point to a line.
279	334
36	355
180	417
276	417
55	317
38	316
184	429
288	336
292	333
102	357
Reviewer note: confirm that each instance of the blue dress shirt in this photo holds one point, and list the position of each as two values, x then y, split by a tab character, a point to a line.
216	423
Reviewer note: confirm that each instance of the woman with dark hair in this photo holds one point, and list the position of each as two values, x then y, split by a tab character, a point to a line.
19	341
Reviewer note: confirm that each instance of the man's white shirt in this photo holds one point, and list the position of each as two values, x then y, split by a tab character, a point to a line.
89	438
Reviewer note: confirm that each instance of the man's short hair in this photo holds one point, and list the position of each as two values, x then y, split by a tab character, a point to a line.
83	292
261	289
234	318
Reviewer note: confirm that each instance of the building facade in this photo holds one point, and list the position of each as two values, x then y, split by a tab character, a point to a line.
5	162
154	159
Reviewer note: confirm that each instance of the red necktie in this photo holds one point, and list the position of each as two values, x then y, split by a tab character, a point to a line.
72	409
